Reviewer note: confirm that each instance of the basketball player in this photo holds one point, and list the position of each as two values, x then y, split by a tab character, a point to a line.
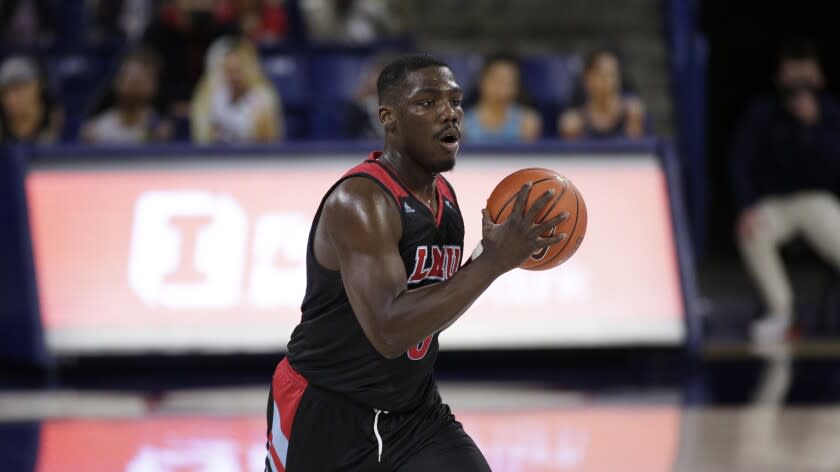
356	391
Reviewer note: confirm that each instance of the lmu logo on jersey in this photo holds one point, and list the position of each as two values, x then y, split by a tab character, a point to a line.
445	261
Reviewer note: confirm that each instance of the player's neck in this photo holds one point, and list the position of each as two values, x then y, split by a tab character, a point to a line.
417	179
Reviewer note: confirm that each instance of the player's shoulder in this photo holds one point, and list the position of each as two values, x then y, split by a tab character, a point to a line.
354	191
359	202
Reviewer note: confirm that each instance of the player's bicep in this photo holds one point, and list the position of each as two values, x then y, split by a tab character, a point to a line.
364	227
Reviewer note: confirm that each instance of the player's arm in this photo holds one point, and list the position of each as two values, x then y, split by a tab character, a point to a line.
362	228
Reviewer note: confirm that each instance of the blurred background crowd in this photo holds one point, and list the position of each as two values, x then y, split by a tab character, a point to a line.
256	71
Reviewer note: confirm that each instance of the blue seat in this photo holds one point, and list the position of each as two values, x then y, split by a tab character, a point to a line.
549	78
550	83
76	80
337	77
290	76
335	80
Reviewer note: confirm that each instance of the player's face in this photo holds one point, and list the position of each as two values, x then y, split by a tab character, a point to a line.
429	118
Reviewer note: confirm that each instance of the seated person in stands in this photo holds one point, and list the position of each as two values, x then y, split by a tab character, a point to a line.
785	170
132	119
350	21
499	116
27	22
125	19
234	103
362	118
262	21
181	31
605	111
28	113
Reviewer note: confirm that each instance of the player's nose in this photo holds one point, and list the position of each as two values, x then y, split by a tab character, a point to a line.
449	113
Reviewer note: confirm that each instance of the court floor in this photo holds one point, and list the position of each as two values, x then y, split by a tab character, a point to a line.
520	428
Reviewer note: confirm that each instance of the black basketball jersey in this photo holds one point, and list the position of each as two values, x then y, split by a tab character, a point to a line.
330	349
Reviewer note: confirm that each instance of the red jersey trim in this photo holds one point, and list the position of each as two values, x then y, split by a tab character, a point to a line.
391	182
374	169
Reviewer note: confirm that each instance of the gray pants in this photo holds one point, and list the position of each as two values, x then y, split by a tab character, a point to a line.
813	215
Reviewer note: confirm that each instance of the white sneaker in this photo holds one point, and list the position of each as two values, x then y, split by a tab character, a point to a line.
769	330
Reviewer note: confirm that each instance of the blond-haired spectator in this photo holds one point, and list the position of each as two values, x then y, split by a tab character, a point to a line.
234	103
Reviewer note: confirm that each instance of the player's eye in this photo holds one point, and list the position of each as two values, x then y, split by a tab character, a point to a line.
427	103
456	102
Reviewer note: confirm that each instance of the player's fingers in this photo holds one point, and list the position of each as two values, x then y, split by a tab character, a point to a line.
545	242
548	224
485	217
521	199
538	205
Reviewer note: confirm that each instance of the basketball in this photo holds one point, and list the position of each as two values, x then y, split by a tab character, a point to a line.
566	198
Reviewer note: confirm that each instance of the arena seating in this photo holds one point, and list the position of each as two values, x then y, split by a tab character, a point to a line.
315	82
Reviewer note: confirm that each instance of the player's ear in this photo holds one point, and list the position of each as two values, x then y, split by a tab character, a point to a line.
387	117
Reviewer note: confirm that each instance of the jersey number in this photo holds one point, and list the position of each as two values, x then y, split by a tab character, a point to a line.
419	351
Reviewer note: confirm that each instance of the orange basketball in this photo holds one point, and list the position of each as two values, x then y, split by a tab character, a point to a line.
566	198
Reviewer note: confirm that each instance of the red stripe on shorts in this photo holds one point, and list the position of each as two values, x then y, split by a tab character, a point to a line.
287	388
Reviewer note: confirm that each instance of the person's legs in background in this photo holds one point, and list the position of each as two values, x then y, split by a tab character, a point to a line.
820	223
760	252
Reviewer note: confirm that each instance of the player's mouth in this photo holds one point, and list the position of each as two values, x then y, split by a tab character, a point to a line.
450	139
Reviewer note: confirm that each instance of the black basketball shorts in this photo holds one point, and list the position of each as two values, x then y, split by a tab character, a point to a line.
313	430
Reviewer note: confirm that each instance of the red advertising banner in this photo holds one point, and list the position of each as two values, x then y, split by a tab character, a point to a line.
575	440
213	256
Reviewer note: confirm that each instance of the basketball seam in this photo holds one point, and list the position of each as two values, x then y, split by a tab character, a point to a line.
502	209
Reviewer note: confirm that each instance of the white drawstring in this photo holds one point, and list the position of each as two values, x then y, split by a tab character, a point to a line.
376	431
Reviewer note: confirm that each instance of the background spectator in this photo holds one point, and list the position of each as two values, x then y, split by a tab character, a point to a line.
234	102
28	111
181	33
262	21
125	18
785	162
27	22
499	116
605	112
362	120
349	20
132	119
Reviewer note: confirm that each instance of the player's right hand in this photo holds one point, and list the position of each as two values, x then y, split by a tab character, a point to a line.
510	243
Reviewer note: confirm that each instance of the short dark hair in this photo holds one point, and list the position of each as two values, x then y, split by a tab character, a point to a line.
144	56
591	57
495	58
397	70
798	50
